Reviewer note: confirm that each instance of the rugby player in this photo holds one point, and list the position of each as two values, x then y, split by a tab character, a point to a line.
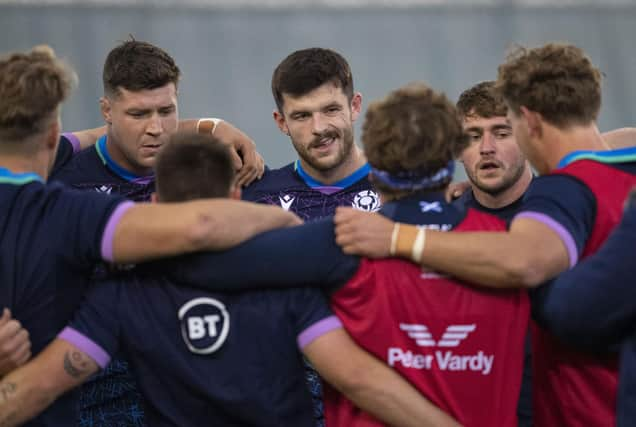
140	108
316	106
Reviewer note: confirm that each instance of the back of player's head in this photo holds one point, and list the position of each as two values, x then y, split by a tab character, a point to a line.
193	166
556	80
411	138
136	65
32	86
307	69
481	100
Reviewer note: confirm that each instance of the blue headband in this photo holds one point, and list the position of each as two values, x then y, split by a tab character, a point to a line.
415	180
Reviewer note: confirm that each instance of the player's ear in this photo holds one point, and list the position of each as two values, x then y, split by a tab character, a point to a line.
280	121
534	121
356	106
105	108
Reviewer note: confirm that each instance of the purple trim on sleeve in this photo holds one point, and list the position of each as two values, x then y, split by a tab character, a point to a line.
86	345
563	233
317	329
109	230
74	140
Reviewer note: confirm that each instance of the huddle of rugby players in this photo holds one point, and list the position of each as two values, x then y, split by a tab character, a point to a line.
155	273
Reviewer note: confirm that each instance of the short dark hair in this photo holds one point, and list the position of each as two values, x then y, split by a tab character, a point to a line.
193	166
305	70
556	80
481	100
32	86
136	65
413	129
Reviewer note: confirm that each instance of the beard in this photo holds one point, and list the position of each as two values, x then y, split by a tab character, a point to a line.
327	163
510	177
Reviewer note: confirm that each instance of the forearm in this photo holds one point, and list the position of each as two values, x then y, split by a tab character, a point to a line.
392	399
22	397
159	230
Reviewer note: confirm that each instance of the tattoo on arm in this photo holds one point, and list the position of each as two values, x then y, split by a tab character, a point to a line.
76	364
6	390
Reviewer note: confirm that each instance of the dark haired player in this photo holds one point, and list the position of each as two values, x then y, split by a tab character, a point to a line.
316	107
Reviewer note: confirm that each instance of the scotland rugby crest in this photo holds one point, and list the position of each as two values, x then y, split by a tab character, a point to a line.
367	200
205	324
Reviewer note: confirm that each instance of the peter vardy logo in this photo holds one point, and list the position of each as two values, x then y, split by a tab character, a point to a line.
367	200
205	324
444	360
286	201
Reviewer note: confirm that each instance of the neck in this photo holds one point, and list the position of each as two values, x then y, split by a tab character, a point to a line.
508	196
352	163
21	163
561	142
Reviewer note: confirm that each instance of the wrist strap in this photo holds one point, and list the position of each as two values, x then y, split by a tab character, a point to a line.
207	125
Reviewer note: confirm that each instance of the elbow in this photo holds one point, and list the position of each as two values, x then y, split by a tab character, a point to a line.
202	232
523	272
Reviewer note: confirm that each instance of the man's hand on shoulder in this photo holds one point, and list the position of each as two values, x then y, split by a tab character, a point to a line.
363	233
15	346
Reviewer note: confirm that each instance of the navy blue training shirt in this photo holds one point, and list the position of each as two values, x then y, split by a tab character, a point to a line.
291	188
50	240
206	358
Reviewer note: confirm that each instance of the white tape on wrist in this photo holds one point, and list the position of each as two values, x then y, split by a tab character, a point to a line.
418	246
208	125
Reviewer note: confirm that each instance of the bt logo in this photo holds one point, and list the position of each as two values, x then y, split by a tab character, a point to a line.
205	324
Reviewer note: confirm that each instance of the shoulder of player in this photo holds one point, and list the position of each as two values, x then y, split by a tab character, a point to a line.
84	165
273	179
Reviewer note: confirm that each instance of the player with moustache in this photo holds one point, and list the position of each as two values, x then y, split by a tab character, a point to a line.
316	106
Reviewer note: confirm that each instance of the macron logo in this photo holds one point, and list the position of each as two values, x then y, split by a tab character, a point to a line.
453	335
286	201
104	189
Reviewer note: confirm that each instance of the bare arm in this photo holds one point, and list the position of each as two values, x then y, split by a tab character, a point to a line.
620	138
247	161
525	256
27	391
88	137
148	231
15	346
372	385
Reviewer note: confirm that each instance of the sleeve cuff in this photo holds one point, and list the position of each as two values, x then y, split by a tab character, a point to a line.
563	233
109	231
74	140
318	329
86	345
